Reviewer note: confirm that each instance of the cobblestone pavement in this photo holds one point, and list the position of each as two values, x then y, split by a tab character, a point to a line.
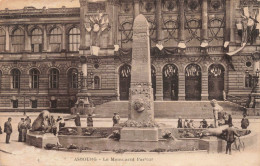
16	153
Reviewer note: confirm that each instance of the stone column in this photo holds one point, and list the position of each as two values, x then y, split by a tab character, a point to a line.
84	85
45	39
27	38
115	22
7	39
63	45
158	17
136	8
110	18
204	86
159	86
228	21
232	21
140	125
181	21
204	17
181	86
141	84
84	43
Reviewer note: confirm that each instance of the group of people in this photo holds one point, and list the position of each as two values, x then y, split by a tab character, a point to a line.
190	123
89	120
23	126
115	119
56	125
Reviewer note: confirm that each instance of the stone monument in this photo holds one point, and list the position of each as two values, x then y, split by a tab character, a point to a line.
140	125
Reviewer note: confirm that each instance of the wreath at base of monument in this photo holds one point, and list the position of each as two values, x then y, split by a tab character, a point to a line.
133	123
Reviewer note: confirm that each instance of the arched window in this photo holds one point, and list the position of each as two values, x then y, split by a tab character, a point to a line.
96	82
170	82
34	78
73	78
74	39
55	40
18	40
54	78
124	81
193	82
2	40
15	78
37	40
216	74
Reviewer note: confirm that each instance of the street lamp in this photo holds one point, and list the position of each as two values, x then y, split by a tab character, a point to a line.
24	111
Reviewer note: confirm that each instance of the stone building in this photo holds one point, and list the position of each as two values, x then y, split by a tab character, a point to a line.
200	50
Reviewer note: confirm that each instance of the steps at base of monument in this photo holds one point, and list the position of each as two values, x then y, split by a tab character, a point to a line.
171	109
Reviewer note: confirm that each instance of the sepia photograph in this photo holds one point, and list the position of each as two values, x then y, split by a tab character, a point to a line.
129	82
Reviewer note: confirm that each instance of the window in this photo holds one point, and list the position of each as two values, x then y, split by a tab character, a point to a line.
15	78
248	81
96	82
17	40
2	40
55	40
74	39
34	103
34	78
54	78
73	78
15	103
37	40
53	103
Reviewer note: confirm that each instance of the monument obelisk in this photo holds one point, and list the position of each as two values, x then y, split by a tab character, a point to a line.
140	125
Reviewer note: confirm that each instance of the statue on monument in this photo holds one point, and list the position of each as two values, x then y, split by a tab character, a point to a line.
217	109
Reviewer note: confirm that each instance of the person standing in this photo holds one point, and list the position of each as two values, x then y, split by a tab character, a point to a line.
230	134
28	122
20	130
8	130
23	128
116	119
89	121
77	120
204	124
230	120
186	123
190	124
244	122
1	130
179	123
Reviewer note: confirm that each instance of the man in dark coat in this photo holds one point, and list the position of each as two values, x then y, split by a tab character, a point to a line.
8	130
179	123
89	121
230	134
20	128
1	130
244	122
77	120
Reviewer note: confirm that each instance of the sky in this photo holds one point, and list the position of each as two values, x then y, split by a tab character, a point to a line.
20	4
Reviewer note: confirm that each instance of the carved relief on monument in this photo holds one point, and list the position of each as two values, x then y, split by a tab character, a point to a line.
192	5
126	7
147	6
169	6
216	5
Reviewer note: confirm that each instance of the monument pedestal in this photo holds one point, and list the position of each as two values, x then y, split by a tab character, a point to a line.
133	134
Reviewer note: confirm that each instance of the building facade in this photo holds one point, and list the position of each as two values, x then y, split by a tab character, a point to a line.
200	50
